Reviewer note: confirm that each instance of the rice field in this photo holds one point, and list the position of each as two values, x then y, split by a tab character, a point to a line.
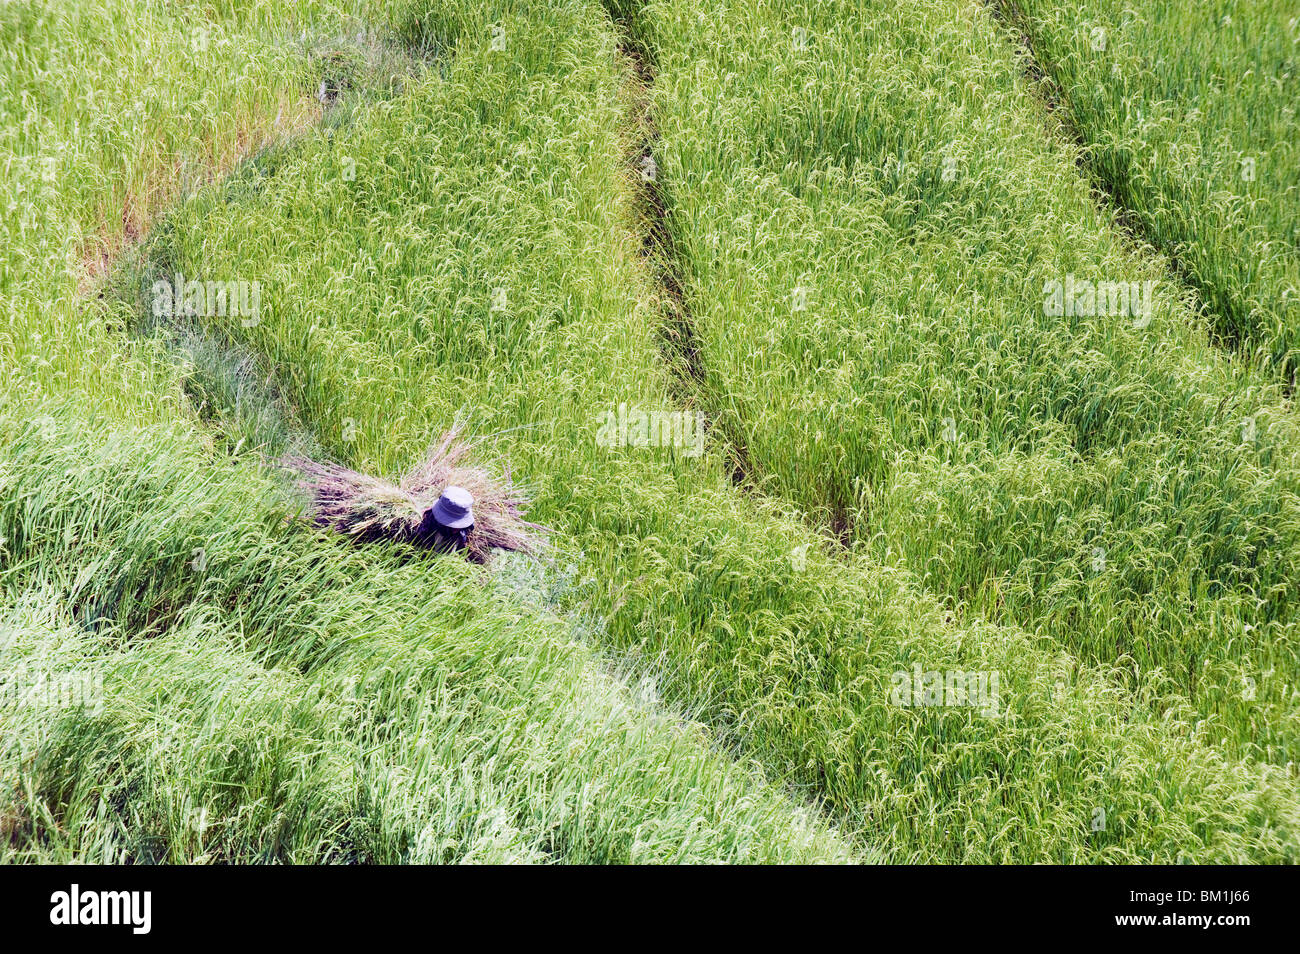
858	548
1187	114
878	359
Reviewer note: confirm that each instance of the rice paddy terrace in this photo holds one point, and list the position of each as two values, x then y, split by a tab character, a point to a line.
906	389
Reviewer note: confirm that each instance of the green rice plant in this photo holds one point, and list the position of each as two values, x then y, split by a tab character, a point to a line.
260	694
267	696
235	397
487	259
110	111
178	748
1187	113
869	223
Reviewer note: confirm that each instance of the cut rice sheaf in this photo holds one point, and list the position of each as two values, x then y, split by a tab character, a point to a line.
369	508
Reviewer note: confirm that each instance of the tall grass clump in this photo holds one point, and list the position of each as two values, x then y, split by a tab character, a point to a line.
179	748
112	110
186	673
259	695
868	225
1188	117
487	259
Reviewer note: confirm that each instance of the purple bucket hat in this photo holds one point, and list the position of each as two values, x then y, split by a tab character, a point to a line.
455	508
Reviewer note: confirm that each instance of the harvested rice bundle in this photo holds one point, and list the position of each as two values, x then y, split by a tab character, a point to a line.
368	508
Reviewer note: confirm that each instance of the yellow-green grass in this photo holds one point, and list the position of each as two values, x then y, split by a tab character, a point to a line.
190	678
486	259
1188	117
866	207
189	674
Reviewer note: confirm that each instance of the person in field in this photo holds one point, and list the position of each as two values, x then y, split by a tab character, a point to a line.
447	524
475	512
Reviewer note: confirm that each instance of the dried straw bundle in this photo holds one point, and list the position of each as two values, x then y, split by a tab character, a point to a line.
368	508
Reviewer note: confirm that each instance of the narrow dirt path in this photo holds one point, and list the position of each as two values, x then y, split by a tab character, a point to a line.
679	341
